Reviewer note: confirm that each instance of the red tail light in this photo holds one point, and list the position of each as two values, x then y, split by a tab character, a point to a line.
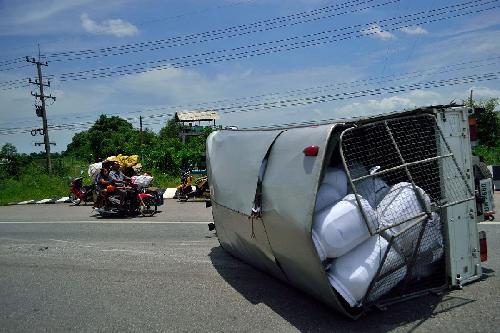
473	128
483	247
311	151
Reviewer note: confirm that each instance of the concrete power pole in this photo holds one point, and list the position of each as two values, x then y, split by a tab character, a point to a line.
41	110
140	126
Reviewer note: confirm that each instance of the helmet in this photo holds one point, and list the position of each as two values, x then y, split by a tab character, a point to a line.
110	188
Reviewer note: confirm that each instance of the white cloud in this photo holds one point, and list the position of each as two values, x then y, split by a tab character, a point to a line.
475	23
373	106
40	11
455	49
415	30
376	31
115	27
186	86
482	92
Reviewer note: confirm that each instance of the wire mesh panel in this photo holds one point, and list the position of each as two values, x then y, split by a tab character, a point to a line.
405	170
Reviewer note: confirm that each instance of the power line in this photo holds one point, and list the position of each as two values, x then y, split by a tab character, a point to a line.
242	2
12	82
329	120
12	68
274	46
228	103
147	66
230	32
219	105
311	100
196	12
11	61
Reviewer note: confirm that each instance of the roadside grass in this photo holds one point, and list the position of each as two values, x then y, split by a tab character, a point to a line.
35	184
163	180
27	187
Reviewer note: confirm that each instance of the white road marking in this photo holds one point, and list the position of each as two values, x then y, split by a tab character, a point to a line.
489	223
100	222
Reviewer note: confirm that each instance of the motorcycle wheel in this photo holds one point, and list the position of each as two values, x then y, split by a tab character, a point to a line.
148	207
74	199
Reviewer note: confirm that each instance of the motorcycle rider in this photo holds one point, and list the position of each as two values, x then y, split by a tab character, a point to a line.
117	176
102	181
186	183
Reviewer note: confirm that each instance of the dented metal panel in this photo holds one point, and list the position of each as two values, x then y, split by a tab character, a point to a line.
282	244
290	187
234	160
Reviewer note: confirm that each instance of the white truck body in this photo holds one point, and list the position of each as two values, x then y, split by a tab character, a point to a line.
264	187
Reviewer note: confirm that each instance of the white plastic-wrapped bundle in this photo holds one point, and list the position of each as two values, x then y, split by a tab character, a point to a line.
332	189
432	238
337	178
341	227
400	204
94	169
142	181
431	247
352	273
373	189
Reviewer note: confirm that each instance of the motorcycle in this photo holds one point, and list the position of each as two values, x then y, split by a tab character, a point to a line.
201	190
79	192
185	186
126	199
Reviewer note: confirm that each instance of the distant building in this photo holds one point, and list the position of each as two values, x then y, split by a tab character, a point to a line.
193	122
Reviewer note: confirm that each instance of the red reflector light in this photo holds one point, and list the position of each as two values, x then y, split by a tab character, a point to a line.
473	129
311	151
483	247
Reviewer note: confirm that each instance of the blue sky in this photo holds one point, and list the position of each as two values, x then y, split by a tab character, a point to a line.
400	46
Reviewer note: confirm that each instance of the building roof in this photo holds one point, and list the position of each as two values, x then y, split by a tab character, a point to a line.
196	115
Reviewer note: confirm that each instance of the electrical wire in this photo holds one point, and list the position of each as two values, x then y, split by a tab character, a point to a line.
196	12
11	61
230	32
228	103
13	68
404	21
311	100
146	66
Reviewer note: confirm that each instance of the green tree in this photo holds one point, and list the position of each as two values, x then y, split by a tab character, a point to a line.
163	151
171	130
488	122
9	161
108	136
80	147
8	151
488	131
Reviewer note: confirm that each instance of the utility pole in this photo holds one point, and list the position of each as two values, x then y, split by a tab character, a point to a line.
471	101
140	135
41	110
140	127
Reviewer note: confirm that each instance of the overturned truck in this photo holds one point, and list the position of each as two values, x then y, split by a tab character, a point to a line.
356	213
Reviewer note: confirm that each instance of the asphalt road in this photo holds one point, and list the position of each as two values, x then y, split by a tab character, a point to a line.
63	269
